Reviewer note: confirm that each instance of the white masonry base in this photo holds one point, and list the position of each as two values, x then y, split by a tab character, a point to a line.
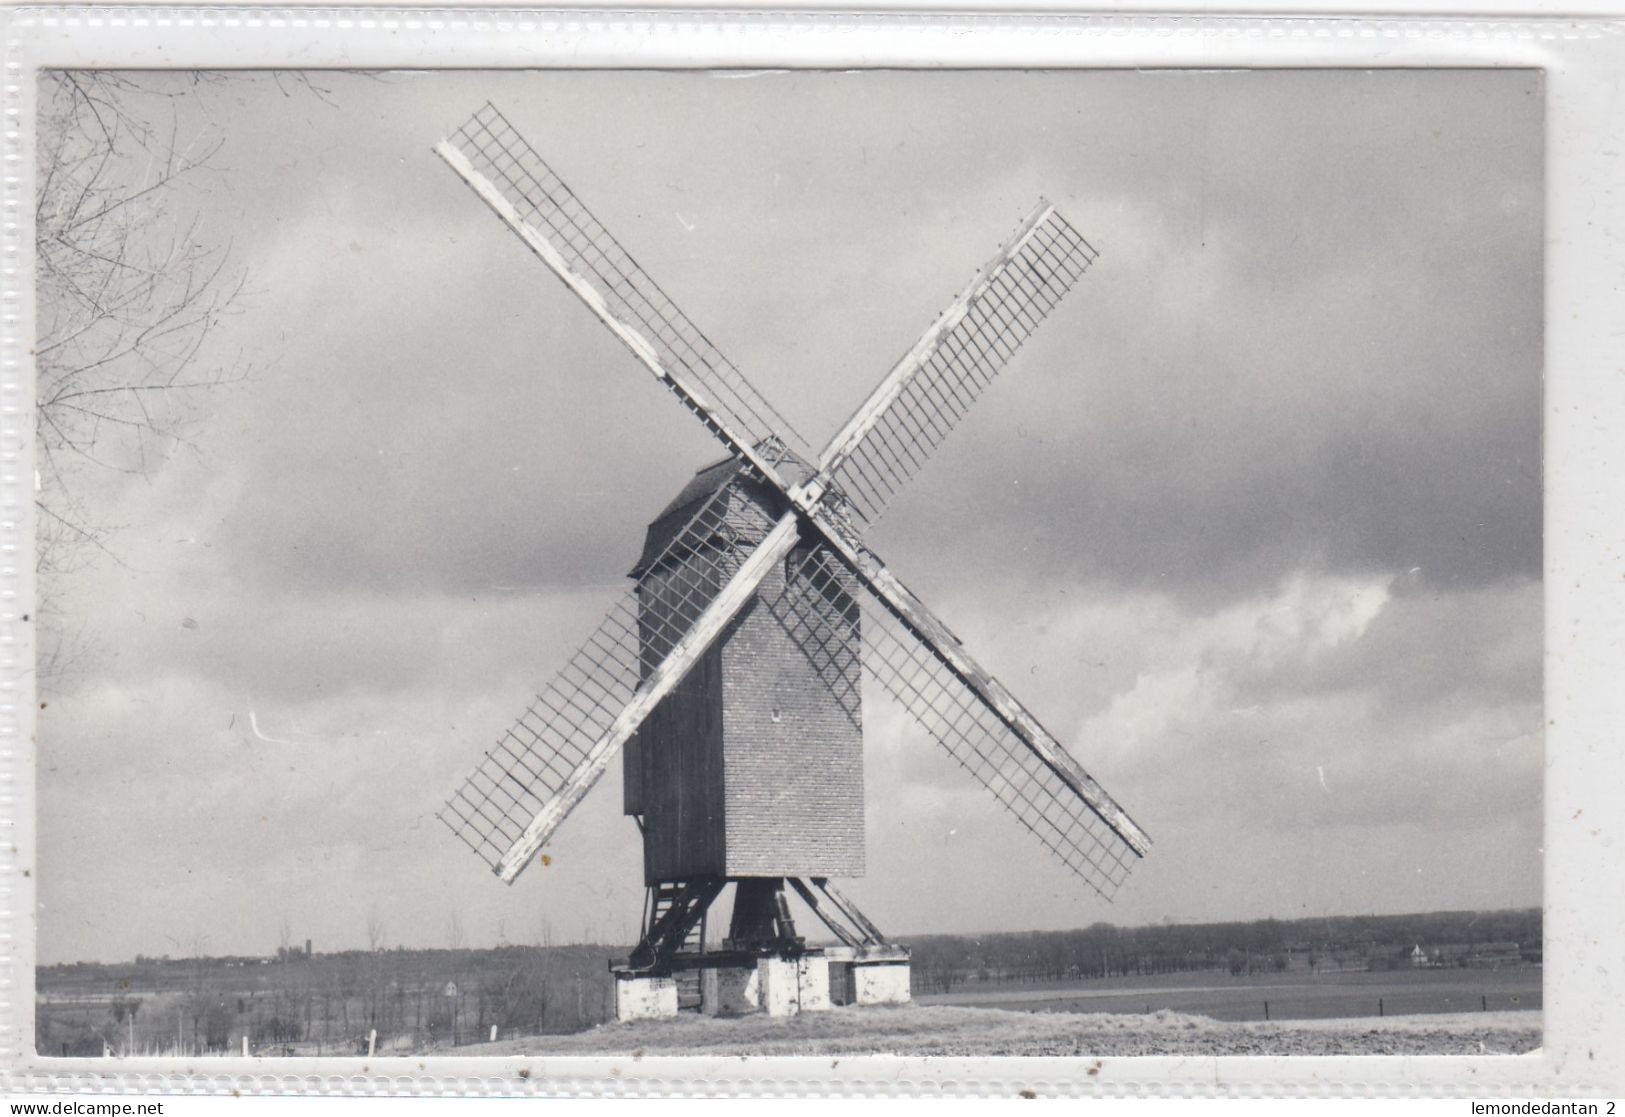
734	991
792	985
812	982
777	986
881	983
777	977
644	998
871	975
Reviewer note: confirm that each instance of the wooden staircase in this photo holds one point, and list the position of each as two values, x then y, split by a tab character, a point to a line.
689	994
676	925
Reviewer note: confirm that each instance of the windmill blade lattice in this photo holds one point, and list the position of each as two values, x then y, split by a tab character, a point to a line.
817	606
958	358
990	751
498	153
561	734
966	726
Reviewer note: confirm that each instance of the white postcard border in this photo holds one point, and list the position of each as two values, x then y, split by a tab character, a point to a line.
1584	1011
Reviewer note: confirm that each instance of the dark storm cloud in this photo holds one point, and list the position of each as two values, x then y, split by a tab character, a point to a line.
1308	354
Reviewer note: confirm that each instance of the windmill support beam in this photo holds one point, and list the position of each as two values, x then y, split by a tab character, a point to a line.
847	908
761	917
837	913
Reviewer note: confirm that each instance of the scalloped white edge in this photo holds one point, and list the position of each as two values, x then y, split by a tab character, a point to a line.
1584	1014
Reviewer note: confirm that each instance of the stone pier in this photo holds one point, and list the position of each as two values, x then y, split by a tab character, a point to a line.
639	997
871	975
737	990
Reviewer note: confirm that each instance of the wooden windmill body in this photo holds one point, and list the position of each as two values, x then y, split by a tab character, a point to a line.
731	673
753	766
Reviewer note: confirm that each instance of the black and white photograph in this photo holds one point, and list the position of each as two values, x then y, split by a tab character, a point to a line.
789	562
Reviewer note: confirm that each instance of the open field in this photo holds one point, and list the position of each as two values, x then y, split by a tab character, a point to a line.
1293	995
953	1030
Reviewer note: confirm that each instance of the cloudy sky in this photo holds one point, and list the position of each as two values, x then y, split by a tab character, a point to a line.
1253	524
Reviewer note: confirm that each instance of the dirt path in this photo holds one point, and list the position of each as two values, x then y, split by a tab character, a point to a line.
955	1030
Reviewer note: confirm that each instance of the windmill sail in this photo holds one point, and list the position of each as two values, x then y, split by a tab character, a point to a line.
1041	784
542	766
511	178
926	393
999	758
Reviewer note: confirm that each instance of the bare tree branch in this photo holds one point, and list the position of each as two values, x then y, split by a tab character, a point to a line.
129	292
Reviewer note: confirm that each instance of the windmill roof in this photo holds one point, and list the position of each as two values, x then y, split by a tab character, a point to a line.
705	482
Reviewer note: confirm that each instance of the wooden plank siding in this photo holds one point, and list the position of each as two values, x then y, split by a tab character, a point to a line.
672	767
683	794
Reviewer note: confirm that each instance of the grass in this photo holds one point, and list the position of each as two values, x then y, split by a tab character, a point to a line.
953	1030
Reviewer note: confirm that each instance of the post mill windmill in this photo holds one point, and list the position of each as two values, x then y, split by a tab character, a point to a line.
730	672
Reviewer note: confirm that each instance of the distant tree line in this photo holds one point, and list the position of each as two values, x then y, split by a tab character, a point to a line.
1103	950
327	1003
